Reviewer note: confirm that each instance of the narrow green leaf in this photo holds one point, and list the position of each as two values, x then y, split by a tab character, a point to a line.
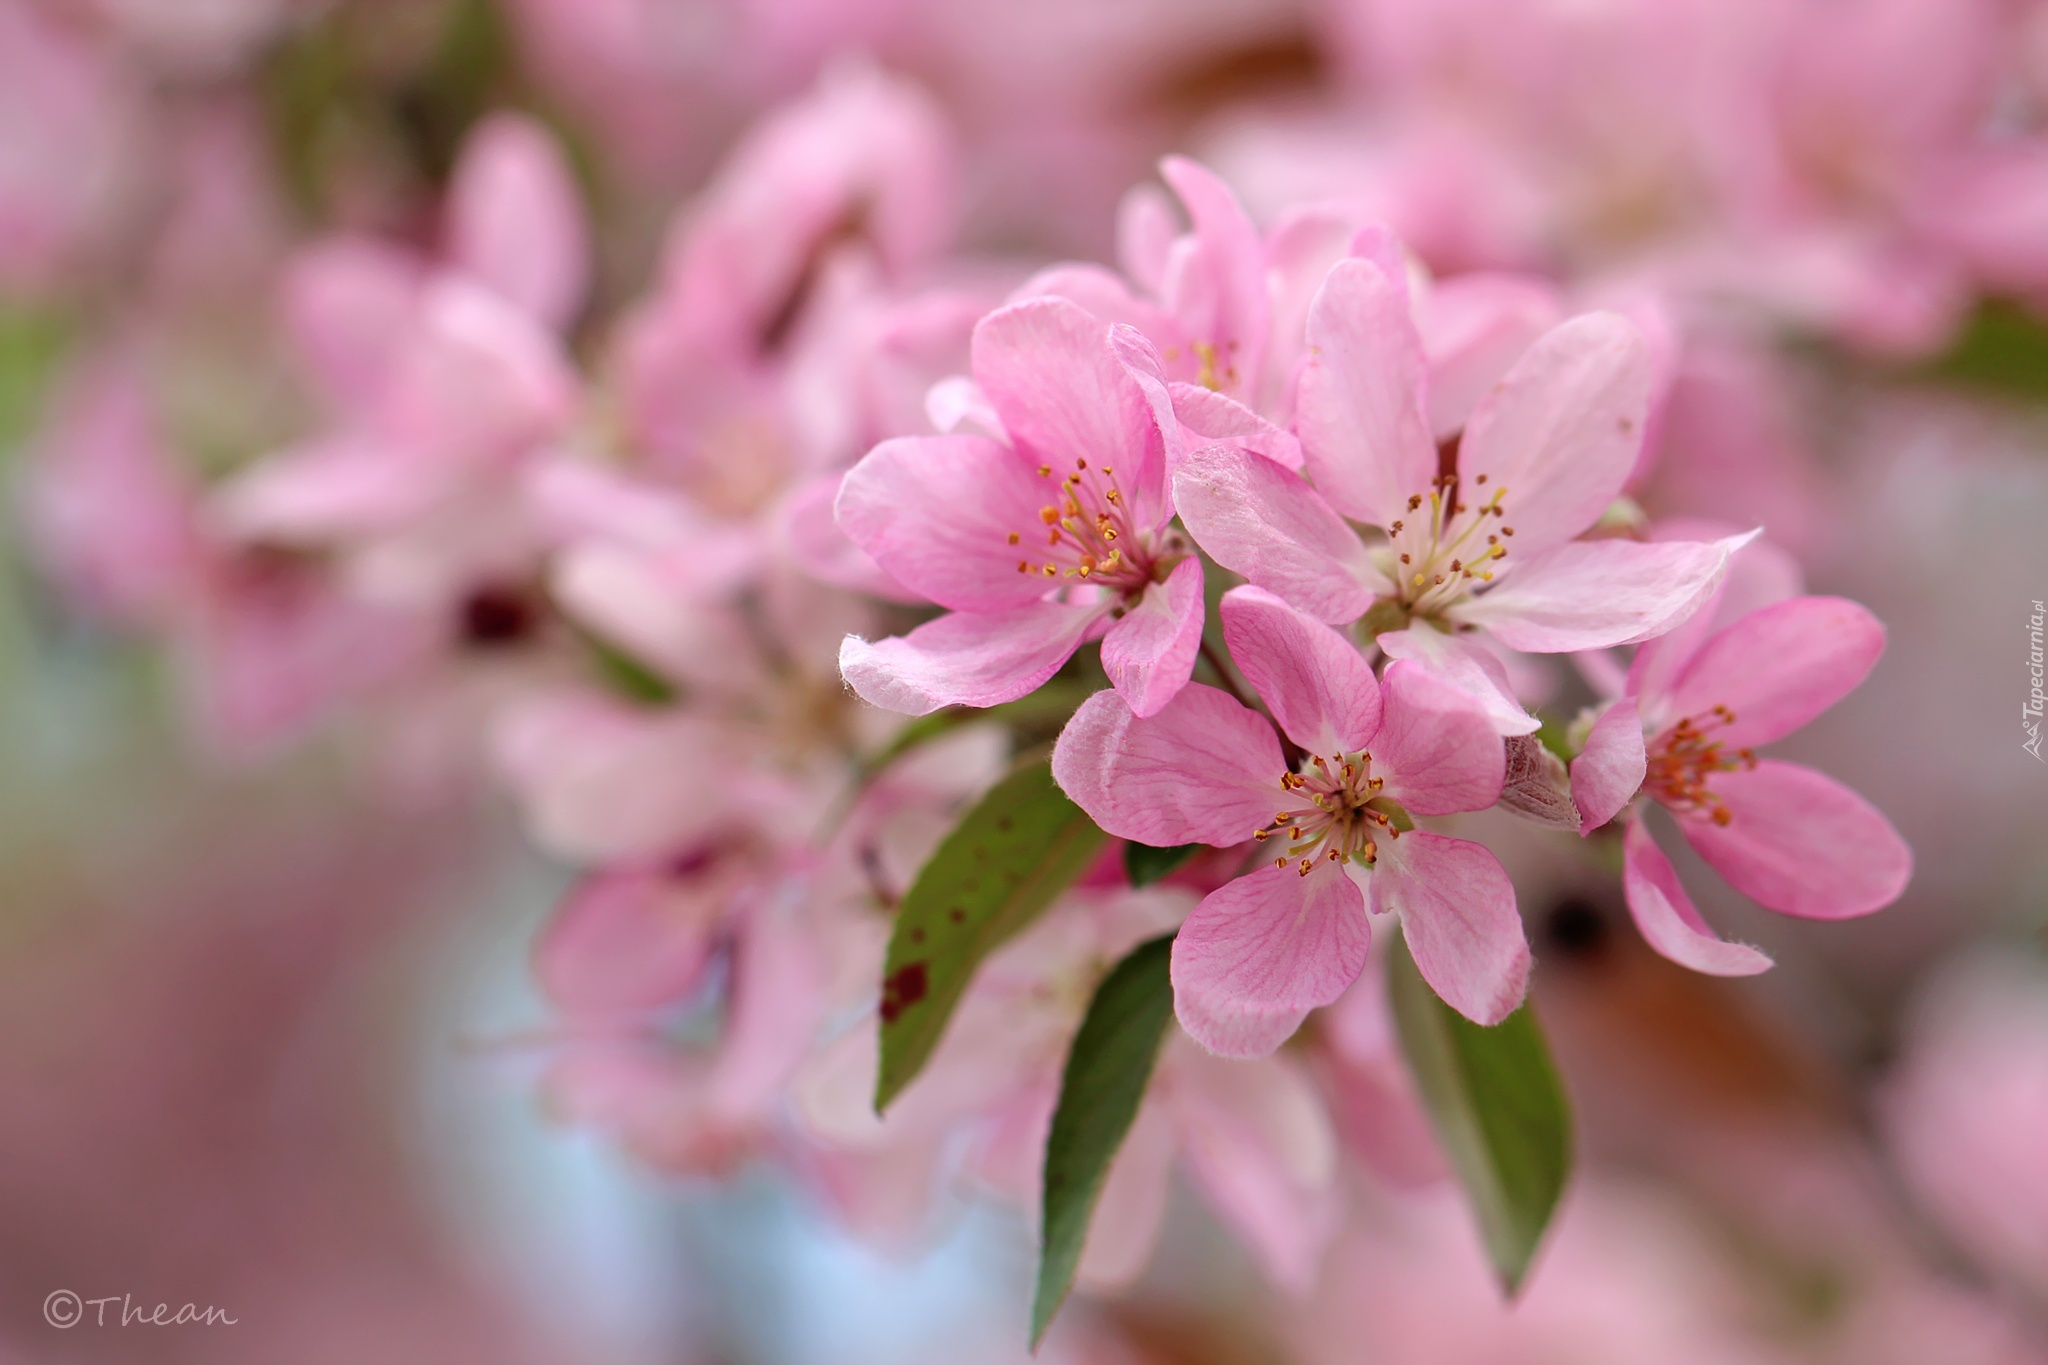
1144	864
1002	865
1498	1109
1108	1068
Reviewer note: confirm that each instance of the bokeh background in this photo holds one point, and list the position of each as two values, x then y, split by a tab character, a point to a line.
267	1036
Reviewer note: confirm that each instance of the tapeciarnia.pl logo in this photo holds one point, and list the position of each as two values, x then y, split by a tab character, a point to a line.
2030	713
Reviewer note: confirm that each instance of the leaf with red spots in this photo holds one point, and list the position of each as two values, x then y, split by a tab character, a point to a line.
1021	846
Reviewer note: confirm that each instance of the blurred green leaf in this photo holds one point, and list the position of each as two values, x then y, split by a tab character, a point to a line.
2003	347
1144	864
31	343
1020	846
1107	1071
1498	1109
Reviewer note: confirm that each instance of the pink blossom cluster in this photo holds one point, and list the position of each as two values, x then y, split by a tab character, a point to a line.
1442	498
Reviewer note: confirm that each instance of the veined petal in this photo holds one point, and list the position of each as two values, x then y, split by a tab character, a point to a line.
1264	522
937	513
1609	771
1467	666
1149	653
1319	687
1779	667
1437	749
1257	955
1210	417
967	658
1667	918
1458	914
1590	594
1359	408
1064	395
1560	432
1801	843
1203	770
1474	328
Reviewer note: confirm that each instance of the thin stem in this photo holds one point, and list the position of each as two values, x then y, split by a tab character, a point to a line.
1293	752
1221	668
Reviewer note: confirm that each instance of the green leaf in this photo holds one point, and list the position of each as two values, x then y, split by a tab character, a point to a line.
1498	1109
1002	865
1108	1068
2003	347
1144	864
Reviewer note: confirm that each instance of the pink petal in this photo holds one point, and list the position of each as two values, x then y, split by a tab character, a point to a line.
1468	666
1149	653
624	943
1141	361
1667	919
1261	1149
1609	771
1590	594
1560	433
349	303
1204	770
1211	417
1359	410
1317	684
1146	225
1218	289
1474	328
1262	521
600	781
967	658
1458	913
778	1004
1801	843
515	219
1064	396
330	488
1437	750
478	381
1100	291
811	533
1256	956
1778	668
937	513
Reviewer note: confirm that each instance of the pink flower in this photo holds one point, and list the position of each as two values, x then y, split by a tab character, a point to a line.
1697	705
1538	461
1260	953
1051	535
443	379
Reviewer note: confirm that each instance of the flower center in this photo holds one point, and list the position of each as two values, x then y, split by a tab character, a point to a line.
1443	548
1088	534
1340	820
1685	756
